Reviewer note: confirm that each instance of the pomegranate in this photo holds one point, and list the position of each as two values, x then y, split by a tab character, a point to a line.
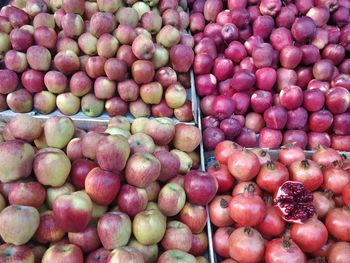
308	173
271	176
241	186
294	202
338	223
244	165
325	156
263	155
219	211
221	241
290	153
224	150
272	225
223	176
346	194
283	250
339	252
335	178
323	202
324	250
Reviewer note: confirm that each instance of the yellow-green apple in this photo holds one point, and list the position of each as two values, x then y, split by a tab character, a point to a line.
80	84
179	179
102	22
141	8
139	108
151	93
181	57
185	160
88	43
5	25
202	259
187	137
200	187
5	43
142	71
73	6
199	244
29	194
166	76
152	206
170	165
72	25
68	103
48	230
184	113
92	106
65	44
16	254
142	169
175	95
67	253
45	36
16	158
87	239
44	102
18	224
16	61
102	186
55	82
149	227
20	101
168	36
51	167
114	229
116	106
177	236
196	161
194	216
98	211
138	125
72	212
2	202
104	88
58	131
67	62
53	192
141	142
162	130
149	253
107	46
46	19
152	191
109	5
112	153
90	143
127	15
121	122
132	200
79	171
171	199
100	255
160	57
39	58
118	131
151	21
35	7
176	256
126	254
143	47
73	149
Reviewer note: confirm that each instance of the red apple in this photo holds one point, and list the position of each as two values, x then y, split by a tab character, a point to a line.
162	130
55	81
67	62
132	200
126	254
95	67
102	186
68	253
116	106
149	253
114	230
194	216
39	58
116	69
199	244
13	253
87	240
166	76
104	88
187	137
45	36
73	6
98	256
73	149
143	47
48	230
29	194
79	171
90	143
80	84
20	101
53	192
125	53
142	71
152	191
151	93
33	80
171	199
66	43
141	142
21	39
162	110
176	256
125	34
177	236
102	22
181	57
107	45
128	90
16	61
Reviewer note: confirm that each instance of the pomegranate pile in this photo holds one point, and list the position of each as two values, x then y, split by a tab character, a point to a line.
110	56
275	68
126	192
284	208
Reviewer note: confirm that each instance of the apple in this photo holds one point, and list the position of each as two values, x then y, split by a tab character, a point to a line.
45	36
51	167
5	25
100	255
73	149
125	53
202	259
160	57
181	57
67	62
166	76
80	170
102	22
184	113
170	165
80	84
21	39
177	236
127	15
58	131
151	21
143	47
55	81
149	227
73	6
20	101
44	102
72	212
68	253
25	127
171	17
35	7
39	58
45	19
112	153
126	254
104	88
33	80
92	106
141	8
199	244
13	253
53	192
116	106
102	186
116	69
138	125
168	36
16	61
171	199
149	253
68	103
48	230
107	46
65	43
141	142
152	191
162	110
175	95
9	81
187	137
16	159
142	71
95	67
142	169
114	229
132	200
125	34
151	93
88	43
194	216
162	130
98	211
109	5
2	202
18	224
90	143
87	240
139	108
28	194
176	256
121	122
185	160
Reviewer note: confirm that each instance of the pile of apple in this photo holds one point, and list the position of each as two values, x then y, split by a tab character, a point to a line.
287	207
107	55
122	193
279	69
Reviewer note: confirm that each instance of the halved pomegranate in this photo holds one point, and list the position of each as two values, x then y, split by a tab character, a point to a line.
294	202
